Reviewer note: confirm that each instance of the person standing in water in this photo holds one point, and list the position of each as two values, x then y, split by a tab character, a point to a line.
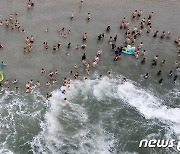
146	76
84	57
82	1
89	16
3	65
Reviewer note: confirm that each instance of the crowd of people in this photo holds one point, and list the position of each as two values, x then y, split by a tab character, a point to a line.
130	38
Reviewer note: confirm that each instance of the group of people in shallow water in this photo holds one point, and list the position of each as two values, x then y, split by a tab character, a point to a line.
12	22
130	37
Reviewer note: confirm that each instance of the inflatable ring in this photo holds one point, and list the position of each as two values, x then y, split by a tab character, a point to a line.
1	76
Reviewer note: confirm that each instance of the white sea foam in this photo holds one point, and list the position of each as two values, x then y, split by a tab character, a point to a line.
55	136
66	125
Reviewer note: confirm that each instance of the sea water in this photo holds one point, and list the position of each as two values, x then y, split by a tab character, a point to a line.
100	116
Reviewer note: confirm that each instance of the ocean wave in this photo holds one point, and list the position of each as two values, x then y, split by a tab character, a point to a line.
100	116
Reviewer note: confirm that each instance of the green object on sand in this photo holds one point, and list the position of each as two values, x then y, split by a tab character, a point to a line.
1	76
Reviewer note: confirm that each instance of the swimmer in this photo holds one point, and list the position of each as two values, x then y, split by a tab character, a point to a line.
46	46
139	13
94	63
146	76
29	4
77	47
163	35
175	78
100	77
31	39
123	80
84	36
143	52
47	30
31	82
99	37
168	35
76	75
72	15
12	26
67	54
87	71
16	13
117	57
155	58
154	63
136	54
56	72
38	84
76	66
115	38
16	88
32	2
89	16
28	90
65	100
59	44
96	58
51	76
108	28
28	85
163	62
8	88
83	46
160	81
15	81
110	73
143	61
69	45
48	84
42	71
175	63
1	46
84	56
170	74
11	17
134	14
155	34
110	40
25	50
149	29
148	22
27	41
82	2
141	45
6	23
3	65
23	30
54	48
159	73
63	91
48	95
113	46
54	81
99	52
6	82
